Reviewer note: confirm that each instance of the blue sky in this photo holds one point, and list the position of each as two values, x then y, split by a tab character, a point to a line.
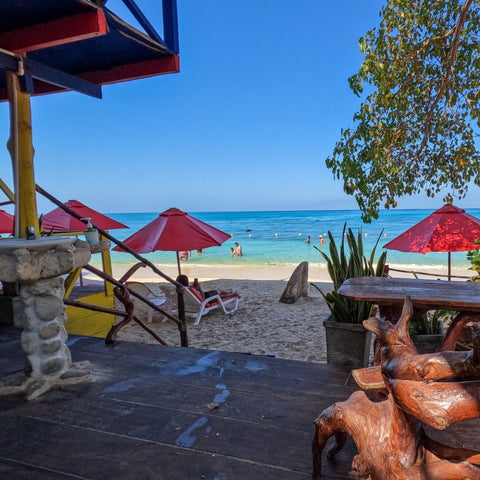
246	125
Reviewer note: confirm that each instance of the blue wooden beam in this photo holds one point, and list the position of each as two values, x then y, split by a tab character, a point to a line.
8	60
64	80
26	83
27	69
143	21
170	24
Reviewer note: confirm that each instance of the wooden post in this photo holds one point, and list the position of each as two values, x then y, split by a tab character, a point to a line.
21	150
107	268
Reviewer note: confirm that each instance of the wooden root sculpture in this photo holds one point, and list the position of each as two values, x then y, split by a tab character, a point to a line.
386	422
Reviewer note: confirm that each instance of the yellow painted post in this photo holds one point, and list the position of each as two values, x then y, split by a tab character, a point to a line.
21	150
107	268
6	190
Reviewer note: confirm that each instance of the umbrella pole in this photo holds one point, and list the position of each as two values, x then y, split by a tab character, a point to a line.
182	327
449	266
178	263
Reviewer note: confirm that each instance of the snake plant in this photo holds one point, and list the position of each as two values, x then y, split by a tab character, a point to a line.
348	261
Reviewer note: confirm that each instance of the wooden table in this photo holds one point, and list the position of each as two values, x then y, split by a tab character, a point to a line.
437	393
425	294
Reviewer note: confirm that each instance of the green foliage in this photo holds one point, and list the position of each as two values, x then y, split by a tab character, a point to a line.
431	322
473	256
415	130
342	265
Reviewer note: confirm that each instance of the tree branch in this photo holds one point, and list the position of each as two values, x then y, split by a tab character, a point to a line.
452	57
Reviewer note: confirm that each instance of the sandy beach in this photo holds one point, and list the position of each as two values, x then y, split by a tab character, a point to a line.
262	324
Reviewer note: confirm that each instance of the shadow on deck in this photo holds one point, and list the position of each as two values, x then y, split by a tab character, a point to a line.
146	416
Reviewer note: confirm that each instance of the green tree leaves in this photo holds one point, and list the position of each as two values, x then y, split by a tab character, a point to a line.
415	130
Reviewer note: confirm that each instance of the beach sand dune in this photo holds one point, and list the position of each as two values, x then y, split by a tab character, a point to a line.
262	324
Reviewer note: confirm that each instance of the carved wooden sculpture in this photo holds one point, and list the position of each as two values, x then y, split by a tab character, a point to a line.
385	423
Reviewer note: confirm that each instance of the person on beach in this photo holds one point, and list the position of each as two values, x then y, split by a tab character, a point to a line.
233	253
321	239
183	279
183	255
210	293
238	249
308	239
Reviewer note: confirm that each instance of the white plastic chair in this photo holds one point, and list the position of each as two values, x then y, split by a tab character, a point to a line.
196	307
146	292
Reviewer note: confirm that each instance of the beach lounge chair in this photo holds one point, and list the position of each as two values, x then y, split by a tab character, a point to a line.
196	307
145	291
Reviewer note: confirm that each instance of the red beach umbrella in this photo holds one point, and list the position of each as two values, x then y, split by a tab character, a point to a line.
61	221
174	231
6	222
448	229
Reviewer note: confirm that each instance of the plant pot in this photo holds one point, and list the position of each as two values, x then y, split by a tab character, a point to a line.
91	236
428	343
348	344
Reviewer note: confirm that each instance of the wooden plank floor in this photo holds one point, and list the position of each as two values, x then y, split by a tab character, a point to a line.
145	416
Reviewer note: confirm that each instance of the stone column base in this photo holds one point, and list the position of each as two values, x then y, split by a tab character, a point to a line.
33	387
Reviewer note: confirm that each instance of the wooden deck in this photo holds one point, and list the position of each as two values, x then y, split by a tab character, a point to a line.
146	416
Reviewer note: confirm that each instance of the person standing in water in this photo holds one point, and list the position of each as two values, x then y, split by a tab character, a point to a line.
238	249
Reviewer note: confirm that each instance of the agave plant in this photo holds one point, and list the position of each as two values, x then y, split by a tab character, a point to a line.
343	264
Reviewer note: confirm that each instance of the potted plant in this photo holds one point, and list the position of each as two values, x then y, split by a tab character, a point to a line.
427	330
348	343
473	256
91	234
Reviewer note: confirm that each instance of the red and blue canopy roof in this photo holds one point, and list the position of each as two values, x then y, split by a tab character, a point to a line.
81	45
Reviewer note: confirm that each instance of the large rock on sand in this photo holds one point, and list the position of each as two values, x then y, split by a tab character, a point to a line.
297	286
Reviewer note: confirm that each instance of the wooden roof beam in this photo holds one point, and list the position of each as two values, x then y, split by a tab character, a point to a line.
57	32
142	20
27	70
61	79
133	71
170	24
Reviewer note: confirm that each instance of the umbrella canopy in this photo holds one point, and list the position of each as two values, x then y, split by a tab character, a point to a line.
174	231
448	229
6	222
59	220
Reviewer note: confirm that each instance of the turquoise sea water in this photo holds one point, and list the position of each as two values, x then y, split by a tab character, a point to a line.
279	238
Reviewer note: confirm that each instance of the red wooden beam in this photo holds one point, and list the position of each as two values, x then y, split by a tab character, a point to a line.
134	71
57	32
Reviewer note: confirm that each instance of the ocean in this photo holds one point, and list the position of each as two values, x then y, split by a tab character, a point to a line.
279	237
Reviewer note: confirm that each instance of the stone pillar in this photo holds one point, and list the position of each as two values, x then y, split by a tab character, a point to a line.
48	360
44	335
